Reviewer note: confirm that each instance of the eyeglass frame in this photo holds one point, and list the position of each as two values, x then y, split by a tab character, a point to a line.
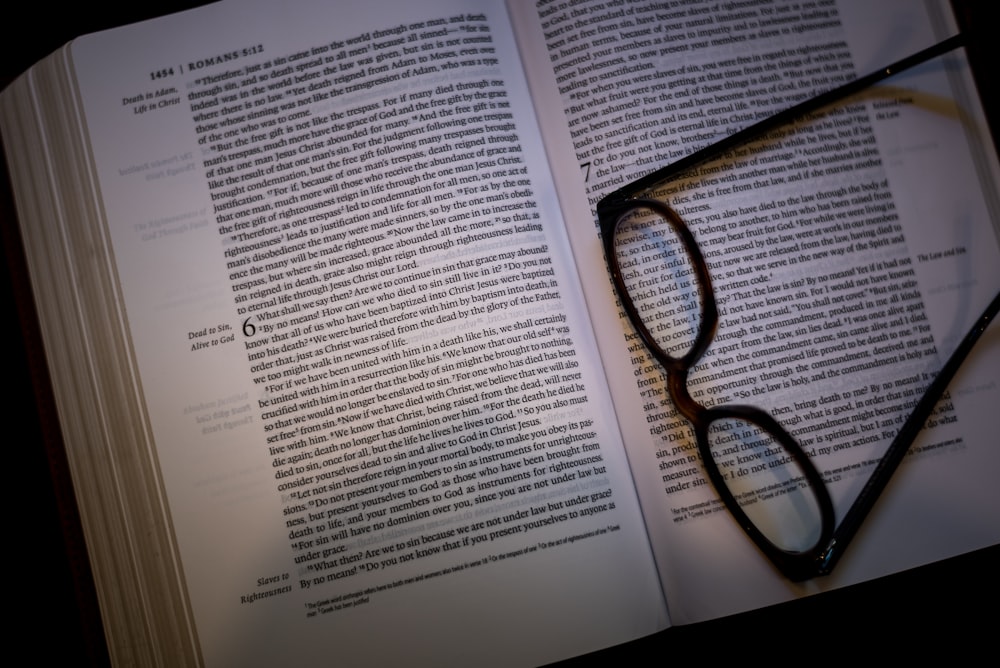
823	556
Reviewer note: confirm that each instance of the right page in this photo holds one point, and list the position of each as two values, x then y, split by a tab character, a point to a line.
848	259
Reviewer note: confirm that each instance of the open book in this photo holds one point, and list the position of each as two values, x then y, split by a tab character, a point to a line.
338	363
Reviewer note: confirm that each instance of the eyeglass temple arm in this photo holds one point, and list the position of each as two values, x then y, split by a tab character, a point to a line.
828	558
782	117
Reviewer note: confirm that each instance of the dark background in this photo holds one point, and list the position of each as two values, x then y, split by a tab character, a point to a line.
947	609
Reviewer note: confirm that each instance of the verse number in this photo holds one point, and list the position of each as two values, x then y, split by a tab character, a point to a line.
160	74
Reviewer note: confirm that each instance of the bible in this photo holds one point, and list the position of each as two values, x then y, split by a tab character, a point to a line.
338	362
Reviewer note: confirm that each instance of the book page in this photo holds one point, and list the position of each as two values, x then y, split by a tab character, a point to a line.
371	381
846	262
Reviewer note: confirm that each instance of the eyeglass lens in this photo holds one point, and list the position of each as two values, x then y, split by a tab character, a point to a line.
660	279
767	483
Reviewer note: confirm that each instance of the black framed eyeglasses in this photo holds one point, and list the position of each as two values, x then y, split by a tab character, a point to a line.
762	474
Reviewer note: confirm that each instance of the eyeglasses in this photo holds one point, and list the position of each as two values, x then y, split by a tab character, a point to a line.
762	474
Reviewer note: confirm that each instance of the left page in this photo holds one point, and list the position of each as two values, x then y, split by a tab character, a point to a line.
369	376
